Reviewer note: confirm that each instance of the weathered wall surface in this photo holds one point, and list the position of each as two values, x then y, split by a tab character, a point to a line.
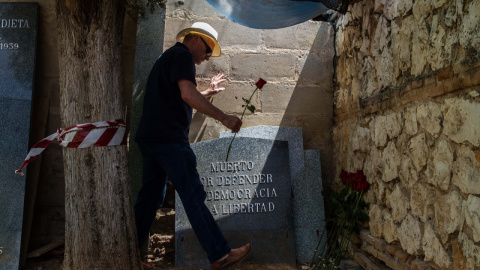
407	112
297	63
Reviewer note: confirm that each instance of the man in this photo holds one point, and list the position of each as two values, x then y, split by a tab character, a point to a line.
162	136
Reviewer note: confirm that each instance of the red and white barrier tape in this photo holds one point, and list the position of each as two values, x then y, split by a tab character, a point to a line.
107	133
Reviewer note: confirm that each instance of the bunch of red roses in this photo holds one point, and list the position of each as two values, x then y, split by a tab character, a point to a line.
347	212
357	181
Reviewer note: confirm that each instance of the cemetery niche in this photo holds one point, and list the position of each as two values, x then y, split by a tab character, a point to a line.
268	193
18	35
249	196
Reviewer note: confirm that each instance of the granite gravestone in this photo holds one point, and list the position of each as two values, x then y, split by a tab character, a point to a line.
149	45
305	169
18	35
250	197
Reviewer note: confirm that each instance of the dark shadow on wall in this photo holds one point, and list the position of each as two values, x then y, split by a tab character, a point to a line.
311	104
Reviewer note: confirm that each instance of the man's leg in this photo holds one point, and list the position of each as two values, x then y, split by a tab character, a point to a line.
180	164
150	197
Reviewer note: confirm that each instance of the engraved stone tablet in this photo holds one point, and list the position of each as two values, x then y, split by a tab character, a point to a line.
308	208
249	195
18	35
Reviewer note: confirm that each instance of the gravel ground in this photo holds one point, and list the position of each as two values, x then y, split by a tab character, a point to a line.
162	251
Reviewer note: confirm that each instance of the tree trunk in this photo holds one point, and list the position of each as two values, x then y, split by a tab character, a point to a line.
99	225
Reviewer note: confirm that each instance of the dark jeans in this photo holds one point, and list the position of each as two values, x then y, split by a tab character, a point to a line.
176	162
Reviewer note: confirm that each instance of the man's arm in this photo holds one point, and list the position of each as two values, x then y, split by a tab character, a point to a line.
194	98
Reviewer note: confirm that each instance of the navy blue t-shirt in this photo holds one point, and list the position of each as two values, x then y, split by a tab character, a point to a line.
166	117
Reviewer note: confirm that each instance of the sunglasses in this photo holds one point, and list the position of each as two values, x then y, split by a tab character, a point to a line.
207	50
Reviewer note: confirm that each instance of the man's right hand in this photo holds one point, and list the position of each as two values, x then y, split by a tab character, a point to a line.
196	100
232	122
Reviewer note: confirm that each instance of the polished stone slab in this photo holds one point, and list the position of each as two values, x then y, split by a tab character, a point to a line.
310	223
308	204
148	47
249	196
18	37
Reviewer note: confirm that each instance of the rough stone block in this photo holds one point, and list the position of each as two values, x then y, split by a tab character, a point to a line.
471	211
418	150
429	117
439	167
392	161
420	265
389	228
230	101
391	249
421	198
233	37
366	236
314	36
459	262
410	235
433	249
268	67
417	84
316	70
365	262
401	255
470	251
392	262
461	120
212	67
185	9
465	171
172	27
376	220
399	203
447	213
372	250
407	172
445	74
277	98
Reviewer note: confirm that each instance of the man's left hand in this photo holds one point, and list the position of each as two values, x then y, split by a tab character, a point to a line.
213	89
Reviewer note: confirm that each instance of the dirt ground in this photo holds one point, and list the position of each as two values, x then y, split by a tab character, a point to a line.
162	251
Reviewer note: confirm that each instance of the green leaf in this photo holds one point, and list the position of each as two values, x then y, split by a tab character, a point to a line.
251	108
246	100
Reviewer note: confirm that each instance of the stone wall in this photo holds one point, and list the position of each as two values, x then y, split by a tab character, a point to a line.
407	113
297	63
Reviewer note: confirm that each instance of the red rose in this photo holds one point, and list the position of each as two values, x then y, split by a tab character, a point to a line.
260	83
357	181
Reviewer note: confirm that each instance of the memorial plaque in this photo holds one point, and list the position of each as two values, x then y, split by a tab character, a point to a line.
249	195
18	35
308	207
